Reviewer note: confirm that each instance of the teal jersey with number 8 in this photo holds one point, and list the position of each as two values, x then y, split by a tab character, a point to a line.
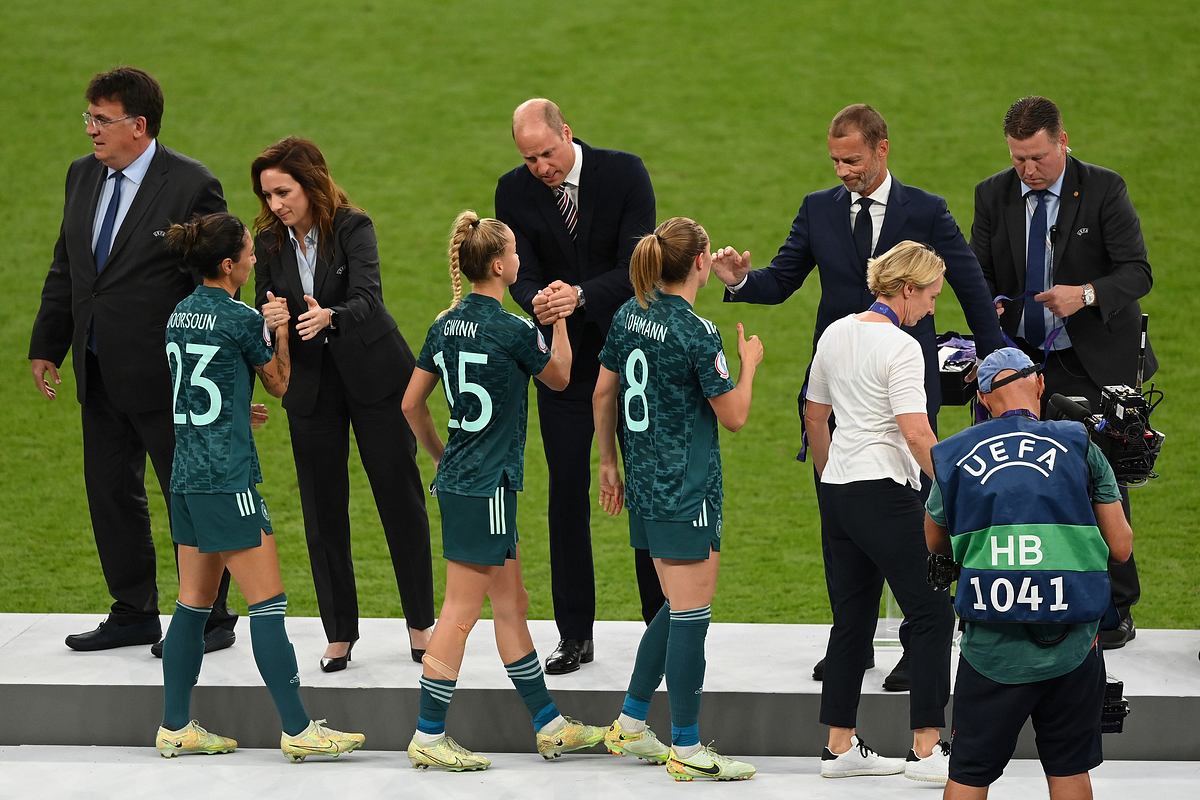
485	357
213	345
670	361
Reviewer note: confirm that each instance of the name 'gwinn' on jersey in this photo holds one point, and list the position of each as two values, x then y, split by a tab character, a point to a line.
670	361
213	345
485	357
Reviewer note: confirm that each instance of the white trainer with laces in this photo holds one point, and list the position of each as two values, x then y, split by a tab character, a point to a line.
860	759
934	768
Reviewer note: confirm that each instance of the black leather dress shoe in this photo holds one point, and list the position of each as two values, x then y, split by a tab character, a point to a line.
1120	636
216	639
569	654
819	668
897	680
109	635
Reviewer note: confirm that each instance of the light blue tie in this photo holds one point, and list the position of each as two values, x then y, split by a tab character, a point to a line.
1035	272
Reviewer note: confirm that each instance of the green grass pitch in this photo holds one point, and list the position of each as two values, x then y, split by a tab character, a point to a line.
728	105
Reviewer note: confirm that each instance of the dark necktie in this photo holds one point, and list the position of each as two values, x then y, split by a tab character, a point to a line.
567	207
104	240
863	230
1035	272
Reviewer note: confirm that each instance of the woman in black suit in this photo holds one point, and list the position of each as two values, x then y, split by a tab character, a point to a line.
350	366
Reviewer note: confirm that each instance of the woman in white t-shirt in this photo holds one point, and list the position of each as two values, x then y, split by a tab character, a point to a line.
870	375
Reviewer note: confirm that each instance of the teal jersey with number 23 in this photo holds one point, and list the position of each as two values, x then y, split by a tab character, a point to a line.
213	345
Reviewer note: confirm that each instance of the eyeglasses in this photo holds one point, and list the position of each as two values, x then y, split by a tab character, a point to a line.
101	122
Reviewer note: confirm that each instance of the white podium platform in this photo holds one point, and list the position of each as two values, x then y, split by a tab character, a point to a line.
758	684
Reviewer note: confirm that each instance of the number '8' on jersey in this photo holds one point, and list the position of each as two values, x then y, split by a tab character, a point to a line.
669	361
213	344
484	356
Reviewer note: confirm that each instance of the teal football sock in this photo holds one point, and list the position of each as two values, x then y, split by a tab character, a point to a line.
526	675
276	660
649	666
435	702
183	652
685	672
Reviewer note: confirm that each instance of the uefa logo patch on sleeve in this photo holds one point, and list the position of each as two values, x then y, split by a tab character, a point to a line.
542	343
721	365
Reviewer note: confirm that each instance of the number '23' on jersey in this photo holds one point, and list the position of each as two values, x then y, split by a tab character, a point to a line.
213	345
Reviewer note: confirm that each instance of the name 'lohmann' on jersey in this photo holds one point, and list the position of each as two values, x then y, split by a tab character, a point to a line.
647	328
1017	449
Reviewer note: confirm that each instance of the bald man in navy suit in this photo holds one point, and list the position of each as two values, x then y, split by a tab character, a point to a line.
837	230
576	212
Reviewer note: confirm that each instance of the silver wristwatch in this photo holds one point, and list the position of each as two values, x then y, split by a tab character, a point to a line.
1089	295
579	298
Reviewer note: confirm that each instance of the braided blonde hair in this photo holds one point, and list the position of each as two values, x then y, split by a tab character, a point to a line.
474	243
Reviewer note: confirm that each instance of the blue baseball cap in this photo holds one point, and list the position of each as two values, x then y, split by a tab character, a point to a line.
998	361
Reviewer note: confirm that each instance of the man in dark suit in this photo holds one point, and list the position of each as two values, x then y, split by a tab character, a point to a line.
576	212
838	229
108	294
1077	309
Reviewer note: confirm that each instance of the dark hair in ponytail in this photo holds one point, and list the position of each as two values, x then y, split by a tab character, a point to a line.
205	241
665	256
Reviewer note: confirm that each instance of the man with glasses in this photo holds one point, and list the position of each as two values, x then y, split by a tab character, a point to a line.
108	294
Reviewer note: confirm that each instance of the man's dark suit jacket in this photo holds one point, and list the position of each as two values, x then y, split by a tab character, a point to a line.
821	237
1098	241
130	301
371	356
616	208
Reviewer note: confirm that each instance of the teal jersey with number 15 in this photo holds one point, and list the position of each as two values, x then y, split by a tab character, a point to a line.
485	357
213	345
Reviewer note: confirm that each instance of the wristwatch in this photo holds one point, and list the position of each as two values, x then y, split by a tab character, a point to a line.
579	298
1089	295
332	319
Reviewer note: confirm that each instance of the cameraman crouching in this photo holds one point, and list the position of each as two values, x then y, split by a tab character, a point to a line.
1031	511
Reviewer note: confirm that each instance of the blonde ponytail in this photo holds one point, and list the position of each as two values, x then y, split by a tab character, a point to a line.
463	225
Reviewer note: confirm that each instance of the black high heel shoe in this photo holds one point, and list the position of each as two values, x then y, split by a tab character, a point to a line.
417	654
337	664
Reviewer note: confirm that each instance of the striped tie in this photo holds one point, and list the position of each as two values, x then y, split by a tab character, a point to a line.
567	207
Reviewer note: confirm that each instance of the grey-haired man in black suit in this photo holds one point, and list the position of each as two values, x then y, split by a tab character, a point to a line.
108	294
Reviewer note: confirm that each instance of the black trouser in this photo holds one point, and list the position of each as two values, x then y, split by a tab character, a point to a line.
321	447
926	486
115	446
567	428
875	531
1065	375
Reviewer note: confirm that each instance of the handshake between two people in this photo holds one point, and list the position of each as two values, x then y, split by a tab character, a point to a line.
560	299
309	324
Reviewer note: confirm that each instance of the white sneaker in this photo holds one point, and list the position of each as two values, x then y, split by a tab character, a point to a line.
934	768
858	760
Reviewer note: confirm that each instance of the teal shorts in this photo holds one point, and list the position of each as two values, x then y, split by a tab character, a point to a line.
216	523
682	541
479	530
